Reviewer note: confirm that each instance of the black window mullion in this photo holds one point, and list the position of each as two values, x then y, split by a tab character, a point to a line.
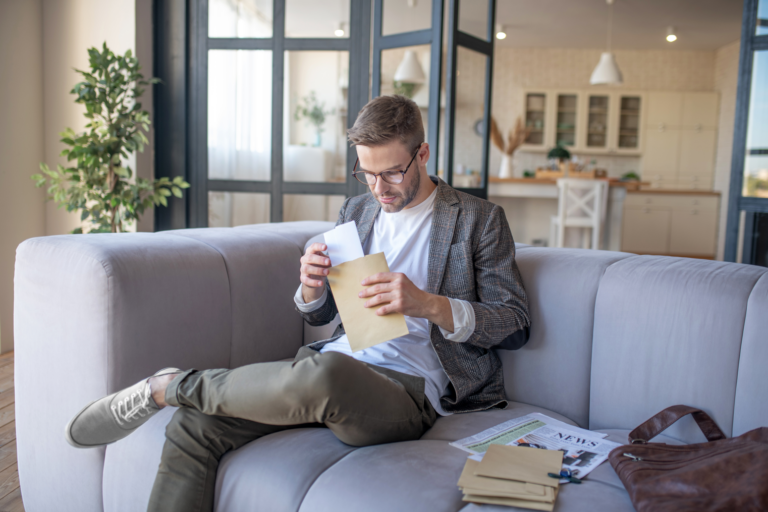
357	96
736	202
450	88
278	78
435	79
198	115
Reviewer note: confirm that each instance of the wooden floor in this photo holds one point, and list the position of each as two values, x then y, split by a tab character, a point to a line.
10	494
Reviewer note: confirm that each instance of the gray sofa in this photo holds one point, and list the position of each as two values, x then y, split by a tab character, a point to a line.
615	338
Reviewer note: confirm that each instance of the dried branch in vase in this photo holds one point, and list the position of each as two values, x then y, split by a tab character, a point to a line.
496	137
517	136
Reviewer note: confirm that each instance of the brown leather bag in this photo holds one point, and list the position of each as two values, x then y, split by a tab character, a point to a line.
722	474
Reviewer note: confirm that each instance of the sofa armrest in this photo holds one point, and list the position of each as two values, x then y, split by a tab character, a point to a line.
93	314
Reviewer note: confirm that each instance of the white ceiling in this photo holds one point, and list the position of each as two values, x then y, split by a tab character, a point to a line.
637	24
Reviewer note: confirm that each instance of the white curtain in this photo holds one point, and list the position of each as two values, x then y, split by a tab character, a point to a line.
239	113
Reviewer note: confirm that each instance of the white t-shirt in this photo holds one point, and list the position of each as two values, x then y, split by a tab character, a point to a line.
403	237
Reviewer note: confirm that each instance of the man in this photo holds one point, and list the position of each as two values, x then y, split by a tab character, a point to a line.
453	275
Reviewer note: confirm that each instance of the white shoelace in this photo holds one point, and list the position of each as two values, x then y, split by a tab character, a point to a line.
132	407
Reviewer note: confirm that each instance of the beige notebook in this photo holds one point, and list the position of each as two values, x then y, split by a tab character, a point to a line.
363	326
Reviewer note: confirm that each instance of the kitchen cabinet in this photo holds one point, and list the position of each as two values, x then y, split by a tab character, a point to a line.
670	224
645	231
681	140
699	110
584	121
664	109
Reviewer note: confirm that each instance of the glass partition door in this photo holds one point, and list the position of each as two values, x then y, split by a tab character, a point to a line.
407	60
469	76
273	87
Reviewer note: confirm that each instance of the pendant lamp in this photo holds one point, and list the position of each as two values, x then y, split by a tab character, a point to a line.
607	72
409	70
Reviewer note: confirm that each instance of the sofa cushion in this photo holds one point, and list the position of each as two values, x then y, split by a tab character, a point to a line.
751	409
668	331
265	325
552	369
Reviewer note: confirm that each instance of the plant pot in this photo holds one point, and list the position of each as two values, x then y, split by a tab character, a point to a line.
505	170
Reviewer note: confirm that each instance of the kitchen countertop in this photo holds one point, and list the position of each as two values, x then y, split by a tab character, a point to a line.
675	192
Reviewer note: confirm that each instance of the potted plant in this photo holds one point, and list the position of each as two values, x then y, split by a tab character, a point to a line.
314	113
98	181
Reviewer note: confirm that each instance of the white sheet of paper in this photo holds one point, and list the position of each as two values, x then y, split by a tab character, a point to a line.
343	243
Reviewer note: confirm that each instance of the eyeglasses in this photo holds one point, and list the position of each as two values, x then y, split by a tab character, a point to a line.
392	177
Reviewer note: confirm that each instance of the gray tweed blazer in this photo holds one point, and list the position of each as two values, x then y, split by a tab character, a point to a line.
471	257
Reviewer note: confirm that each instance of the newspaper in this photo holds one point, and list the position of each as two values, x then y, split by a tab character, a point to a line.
583	450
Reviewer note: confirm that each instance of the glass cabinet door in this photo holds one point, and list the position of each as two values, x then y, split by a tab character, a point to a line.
597	121
629	122
535	117
566	120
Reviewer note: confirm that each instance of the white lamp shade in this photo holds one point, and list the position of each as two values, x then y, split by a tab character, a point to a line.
409	70
607	71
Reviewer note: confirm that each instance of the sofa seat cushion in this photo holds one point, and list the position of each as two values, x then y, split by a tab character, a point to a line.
309	470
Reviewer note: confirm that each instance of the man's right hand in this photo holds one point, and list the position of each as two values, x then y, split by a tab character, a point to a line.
314	268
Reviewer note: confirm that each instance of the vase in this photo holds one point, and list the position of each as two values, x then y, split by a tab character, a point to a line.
505	170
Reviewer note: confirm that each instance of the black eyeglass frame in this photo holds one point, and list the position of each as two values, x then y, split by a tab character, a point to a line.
376	176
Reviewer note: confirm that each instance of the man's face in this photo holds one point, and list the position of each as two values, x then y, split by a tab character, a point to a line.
391	157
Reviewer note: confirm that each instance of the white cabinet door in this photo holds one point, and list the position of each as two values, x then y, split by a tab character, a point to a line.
693	232
664	109
660	157
700	110
697	153
645	231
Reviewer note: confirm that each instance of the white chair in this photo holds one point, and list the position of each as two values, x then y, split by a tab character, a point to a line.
581	204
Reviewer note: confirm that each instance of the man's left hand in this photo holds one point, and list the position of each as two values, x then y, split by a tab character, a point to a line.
400	295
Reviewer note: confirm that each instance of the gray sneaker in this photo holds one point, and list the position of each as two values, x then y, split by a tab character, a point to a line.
112	418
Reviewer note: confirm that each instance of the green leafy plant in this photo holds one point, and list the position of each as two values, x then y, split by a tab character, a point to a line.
97	180
630	176
314	113
404	89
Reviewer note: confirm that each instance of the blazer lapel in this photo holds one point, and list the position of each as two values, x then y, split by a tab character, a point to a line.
367	218
445	213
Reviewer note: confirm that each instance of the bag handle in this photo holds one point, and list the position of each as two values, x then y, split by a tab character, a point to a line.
663	420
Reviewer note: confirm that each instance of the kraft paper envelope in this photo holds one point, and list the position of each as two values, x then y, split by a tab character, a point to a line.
521	463
363	326
497	487
510	502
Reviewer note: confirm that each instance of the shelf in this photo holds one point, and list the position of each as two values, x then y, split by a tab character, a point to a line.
630	112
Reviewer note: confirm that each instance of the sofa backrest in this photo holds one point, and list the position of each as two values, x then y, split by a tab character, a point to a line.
262	264
669	331
553	369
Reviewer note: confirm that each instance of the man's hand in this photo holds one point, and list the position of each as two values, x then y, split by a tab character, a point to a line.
314	268
400	295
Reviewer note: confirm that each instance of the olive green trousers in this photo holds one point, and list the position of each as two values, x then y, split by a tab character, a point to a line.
222	410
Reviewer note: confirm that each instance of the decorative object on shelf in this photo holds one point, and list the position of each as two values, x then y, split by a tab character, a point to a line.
607	72
479	127
528	174
408	75
630	176
515	139
559	153
314	113
99	183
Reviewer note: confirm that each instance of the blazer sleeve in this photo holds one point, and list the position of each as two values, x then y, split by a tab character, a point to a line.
501	313
328	311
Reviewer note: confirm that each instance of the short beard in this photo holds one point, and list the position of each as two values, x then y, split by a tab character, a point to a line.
408	197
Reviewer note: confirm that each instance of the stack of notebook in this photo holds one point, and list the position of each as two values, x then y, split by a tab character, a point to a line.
514	476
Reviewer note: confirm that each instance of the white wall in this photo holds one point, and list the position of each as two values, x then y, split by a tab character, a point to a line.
726	78
22	213
40	42
70	27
